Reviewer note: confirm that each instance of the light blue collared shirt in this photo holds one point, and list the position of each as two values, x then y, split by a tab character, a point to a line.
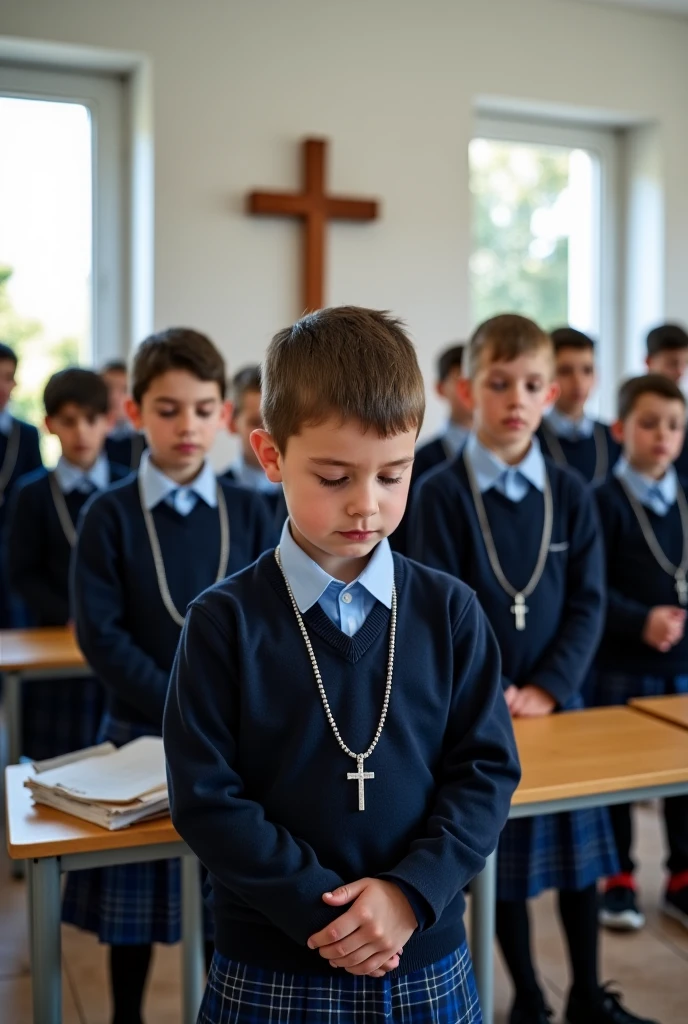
72	478
657	495
454	438
511	481
570	430
252	477
346	605
157	487
122	430
6	422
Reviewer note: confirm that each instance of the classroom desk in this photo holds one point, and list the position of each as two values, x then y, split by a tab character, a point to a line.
52	843
581	759
673	708
34	654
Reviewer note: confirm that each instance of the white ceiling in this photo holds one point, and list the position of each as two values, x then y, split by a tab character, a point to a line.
668	6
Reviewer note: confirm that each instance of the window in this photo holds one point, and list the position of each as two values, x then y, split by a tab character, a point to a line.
544	227
61	280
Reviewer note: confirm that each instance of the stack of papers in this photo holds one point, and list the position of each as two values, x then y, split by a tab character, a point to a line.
109	787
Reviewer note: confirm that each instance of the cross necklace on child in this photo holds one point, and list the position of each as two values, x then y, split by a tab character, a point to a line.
519	608
360	776
157	553
62	510
677	571
10	460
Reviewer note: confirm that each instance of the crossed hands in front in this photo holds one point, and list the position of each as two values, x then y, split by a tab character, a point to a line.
369	937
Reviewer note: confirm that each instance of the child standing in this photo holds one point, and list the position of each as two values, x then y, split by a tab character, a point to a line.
331	654
524	534
246	470
125	444
19	454
567	433
644	650
59	716
146	548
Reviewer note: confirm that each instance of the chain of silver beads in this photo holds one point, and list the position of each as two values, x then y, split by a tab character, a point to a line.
318	677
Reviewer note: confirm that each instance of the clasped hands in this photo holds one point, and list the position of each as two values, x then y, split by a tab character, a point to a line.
369	937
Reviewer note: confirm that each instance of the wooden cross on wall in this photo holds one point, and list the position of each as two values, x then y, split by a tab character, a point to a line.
314	208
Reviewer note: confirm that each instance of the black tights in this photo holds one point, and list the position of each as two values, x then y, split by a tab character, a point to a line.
129	966
578	912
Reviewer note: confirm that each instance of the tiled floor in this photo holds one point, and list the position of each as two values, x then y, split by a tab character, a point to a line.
651	968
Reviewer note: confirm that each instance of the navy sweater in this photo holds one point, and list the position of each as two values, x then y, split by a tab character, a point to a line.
126	451
28	459
38	551
565	613
126	633
636	584
581	454
427	457
258	783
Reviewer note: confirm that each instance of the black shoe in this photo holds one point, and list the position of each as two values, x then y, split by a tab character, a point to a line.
606	1008
533	1012
676	904
619	909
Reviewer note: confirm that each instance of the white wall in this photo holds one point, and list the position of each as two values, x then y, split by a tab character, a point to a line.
393	84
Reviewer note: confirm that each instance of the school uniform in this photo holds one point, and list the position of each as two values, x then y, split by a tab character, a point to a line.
63	715
625	666
253	478
429	456
585	445
259	786
129	636
563	620
125	445
20	454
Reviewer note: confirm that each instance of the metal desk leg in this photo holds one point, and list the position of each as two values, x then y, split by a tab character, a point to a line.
46	952
484	890
193	966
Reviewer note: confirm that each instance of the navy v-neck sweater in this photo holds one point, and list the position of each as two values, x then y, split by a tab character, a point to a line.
258	783
38	552
636	584
581	455
126	633
565	612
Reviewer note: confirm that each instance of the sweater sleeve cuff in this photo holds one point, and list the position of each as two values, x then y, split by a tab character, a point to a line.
559	689
422	911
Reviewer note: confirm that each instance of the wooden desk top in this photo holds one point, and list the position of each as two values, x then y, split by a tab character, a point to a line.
600	750
672	708
25	649
43	832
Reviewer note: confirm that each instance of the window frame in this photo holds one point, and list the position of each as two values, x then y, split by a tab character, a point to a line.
603	142
103	96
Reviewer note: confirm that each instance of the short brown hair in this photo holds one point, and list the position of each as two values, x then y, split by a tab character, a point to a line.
666	338
244	381
649	384
504	338
177	348
351	362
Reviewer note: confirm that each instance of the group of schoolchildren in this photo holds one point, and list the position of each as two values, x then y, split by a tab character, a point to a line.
337	714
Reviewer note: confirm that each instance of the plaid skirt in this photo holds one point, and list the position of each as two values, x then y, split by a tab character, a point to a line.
443	993
620	687
128	904
60	715
555	851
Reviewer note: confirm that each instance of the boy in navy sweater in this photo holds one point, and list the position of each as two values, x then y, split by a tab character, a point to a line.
667	353
124	444
246	470
59	716
146	548
450	441
340	754
524	533
644	649
19	454
567	434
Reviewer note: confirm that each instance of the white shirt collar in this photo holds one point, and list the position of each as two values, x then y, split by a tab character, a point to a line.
157	486
309	581
70	477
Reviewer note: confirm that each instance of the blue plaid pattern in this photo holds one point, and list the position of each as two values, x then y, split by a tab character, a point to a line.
127	904
555	851
443	993
60	715
620	687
